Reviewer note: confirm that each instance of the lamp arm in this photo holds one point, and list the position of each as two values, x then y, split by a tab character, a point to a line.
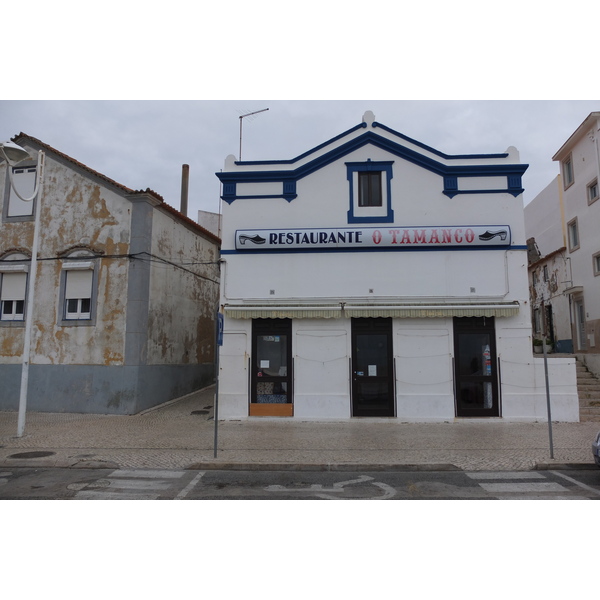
39	175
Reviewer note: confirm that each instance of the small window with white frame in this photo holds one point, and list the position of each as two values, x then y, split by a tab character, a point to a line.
13	288
77	289
370	192
573	234
23	181
596	259
567	168
592	191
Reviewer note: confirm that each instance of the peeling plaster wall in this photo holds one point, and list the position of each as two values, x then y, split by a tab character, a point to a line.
183	298
76	212
151	336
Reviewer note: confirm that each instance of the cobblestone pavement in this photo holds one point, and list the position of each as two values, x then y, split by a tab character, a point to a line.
180	435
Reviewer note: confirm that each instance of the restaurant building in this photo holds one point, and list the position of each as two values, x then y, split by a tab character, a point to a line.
374	276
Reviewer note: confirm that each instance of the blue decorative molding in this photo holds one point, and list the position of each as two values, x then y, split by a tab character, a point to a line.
449	173
433	150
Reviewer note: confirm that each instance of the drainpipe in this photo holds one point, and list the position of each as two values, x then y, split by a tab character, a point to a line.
185	178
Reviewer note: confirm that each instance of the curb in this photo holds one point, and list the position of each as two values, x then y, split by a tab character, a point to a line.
565	467
203	466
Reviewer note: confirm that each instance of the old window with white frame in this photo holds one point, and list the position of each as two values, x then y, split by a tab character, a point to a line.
13	288
592	191
596	259
77	289
573	234
567	168
23	179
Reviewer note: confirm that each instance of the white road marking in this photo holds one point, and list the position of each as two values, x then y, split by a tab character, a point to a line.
188	488
148	473
318	490
129	484
138	484
581	485
523	488
104	495
505	475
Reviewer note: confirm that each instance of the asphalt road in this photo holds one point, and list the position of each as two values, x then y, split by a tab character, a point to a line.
144	484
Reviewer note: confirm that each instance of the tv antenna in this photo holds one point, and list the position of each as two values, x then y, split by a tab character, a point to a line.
242	117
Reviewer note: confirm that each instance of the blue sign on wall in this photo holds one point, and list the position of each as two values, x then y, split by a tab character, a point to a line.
220	321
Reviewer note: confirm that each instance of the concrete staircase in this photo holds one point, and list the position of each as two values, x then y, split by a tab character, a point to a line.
588	389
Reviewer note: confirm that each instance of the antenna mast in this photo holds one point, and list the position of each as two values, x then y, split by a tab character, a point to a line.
241	117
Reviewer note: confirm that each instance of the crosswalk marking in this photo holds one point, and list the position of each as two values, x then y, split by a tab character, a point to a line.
148	473
129	484
506	475
523	488
522	485
104	495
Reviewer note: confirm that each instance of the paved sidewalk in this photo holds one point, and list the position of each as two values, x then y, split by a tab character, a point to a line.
180	435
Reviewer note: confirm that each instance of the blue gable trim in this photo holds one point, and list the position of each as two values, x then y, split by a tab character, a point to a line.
433	150
450	173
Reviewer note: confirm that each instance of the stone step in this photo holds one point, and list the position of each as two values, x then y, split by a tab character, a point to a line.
588	387
589	402
585	376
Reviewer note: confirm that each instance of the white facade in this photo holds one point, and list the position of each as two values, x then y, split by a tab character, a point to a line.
394	274
566	220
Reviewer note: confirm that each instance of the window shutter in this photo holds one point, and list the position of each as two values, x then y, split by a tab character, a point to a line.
79	284
13	286
24	181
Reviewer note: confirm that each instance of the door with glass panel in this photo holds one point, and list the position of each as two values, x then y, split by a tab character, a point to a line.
476	376
271	370
372	368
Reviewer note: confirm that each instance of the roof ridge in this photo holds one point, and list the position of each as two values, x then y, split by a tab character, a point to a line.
127	190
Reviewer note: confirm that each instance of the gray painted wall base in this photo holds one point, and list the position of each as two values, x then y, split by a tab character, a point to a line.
99	389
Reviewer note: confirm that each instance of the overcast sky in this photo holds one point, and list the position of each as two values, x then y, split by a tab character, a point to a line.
142	144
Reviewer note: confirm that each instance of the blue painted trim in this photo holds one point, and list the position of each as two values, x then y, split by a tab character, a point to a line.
305	154
433	150
361	167
387	249
448	172
452	193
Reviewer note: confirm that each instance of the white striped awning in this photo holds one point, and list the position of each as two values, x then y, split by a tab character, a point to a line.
347	310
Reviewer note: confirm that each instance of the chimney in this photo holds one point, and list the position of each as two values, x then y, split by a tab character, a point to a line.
185	178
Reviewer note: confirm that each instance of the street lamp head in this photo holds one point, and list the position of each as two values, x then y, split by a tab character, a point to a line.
13	154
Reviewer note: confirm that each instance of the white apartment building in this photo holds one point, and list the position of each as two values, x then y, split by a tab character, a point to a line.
565	220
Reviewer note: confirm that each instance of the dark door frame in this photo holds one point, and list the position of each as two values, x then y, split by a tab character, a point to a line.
374	326
271	327
476	325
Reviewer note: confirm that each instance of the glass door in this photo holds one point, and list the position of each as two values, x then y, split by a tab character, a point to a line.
475	367
372	368
271	375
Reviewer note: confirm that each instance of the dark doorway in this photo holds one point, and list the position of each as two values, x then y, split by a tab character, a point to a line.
475	367
271	377
372	368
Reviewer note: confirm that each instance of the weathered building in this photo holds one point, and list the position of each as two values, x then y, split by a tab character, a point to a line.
374	276
549	270
125	293
564	220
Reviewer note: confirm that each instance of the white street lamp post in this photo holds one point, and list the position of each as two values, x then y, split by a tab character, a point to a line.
14	154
